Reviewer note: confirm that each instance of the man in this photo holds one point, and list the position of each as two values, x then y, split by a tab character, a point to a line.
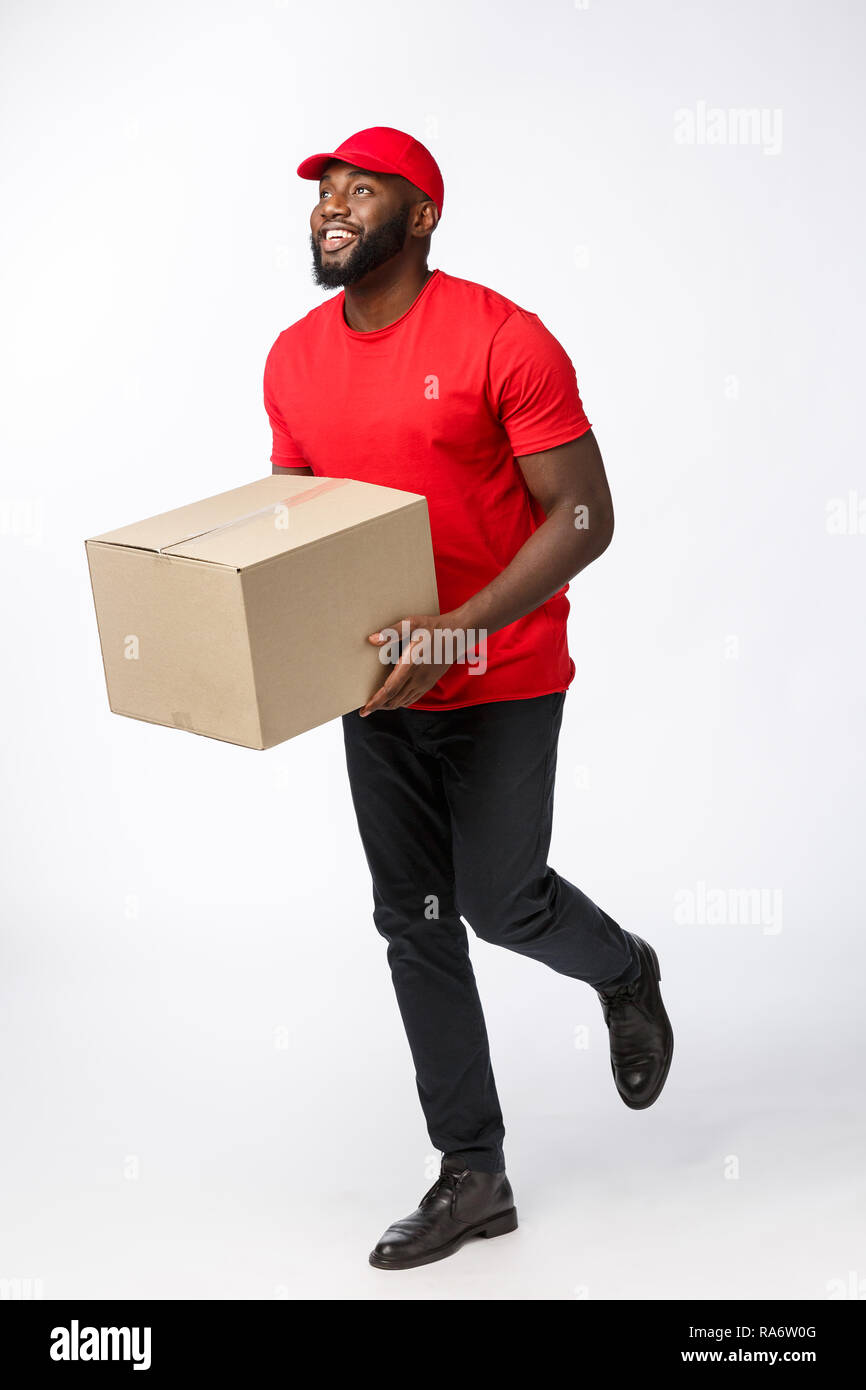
418	380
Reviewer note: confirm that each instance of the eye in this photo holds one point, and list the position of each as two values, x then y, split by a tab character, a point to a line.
323	193
365	186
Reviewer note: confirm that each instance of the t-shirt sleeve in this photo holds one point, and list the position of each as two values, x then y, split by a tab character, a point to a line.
533	386
286	453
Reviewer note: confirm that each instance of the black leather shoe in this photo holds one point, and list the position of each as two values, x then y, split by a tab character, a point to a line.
461	1203
641	1037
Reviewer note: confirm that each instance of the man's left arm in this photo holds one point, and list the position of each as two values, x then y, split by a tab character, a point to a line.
570	485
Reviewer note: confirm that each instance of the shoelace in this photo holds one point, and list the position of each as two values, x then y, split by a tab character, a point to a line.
624	995
447	1178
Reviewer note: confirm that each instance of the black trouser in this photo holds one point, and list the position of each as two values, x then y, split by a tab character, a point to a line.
454	808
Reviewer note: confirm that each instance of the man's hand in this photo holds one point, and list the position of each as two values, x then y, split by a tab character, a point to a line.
415	672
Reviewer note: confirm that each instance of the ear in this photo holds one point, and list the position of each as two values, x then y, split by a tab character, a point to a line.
425	220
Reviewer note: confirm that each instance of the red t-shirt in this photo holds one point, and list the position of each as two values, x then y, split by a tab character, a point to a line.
441	402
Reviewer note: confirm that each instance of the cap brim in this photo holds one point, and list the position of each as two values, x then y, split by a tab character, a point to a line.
315	166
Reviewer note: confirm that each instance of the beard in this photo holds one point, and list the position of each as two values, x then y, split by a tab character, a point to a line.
371	249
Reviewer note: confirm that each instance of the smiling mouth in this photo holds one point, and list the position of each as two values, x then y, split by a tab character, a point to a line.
336	239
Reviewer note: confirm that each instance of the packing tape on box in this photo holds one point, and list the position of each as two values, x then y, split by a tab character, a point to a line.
297	500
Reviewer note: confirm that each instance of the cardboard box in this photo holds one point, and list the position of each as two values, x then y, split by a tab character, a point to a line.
245	617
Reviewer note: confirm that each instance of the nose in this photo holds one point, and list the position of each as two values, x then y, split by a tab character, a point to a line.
335	206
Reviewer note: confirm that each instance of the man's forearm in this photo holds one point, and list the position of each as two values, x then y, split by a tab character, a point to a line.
552	556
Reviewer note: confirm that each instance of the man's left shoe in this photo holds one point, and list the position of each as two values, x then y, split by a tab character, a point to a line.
641	1037
460	1204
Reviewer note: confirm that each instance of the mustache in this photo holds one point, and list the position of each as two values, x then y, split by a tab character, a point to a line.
371	249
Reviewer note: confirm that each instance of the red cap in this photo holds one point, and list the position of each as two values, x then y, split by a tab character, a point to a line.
384	150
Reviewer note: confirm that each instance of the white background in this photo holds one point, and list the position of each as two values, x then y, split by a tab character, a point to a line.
206	1089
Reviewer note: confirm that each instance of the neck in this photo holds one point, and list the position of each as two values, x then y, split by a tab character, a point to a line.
384	295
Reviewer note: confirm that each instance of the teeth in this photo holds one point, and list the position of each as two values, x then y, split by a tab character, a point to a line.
337	235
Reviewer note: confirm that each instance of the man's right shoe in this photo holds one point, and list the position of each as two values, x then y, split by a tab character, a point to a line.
462	1203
